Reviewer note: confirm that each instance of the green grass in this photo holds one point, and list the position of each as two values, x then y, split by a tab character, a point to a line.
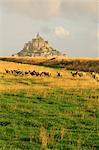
22	116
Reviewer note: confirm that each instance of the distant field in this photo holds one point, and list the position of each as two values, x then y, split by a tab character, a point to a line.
81	64
51	113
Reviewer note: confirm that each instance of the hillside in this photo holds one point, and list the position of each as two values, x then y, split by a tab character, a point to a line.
80	64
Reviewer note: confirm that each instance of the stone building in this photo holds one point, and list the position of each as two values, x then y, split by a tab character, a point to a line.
38	47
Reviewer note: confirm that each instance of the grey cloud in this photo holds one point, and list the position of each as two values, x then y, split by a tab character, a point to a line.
36	9
42	9
79	9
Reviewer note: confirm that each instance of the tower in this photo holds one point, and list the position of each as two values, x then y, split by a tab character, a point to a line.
38	38
38	35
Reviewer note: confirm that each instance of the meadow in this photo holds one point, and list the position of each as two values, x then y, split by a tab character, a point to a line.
68	63
48	113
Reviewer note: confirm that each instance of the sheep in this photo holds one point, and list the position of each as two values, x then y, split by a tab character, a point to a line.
45	73
80	74
7	71
33	72
59	74
26	72
95	76
37	73
74	73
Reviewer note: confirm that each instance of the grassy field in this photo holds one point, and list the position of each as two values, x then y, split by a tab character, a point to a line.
48	113
81	64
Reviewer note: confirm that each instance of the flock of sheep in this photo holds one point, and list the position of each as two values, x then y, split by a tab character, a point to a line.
32	73
81	74
48	74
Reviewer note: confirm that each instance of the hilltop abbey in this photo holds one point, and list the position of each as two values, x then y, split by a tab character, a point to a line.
38	47
37	43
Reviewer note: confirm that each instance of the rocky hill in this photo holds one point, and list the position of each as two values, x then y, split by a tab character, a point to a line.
38	47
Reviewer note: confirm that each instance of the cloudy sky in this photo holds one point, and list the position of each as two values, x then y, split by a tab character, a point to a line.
70	26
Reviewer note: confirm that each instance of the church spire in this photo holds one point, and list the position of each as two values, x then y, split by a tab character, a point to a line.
38	35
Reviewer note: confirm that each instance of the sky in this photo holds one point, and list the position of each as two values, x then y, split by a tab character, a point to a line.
70	26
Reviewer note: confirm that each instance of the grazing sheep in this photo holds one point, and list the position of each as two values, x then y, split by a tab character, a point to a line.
11	71
80	74
26	72
45	73
7	71
37	73
97	77
59	74
20	72
93	75
33	73
74	73
14	72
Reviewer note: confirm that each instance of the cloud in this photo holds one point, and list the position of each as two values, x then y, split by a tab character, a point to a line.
61	32
36	9
75	9
54	8
42	9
